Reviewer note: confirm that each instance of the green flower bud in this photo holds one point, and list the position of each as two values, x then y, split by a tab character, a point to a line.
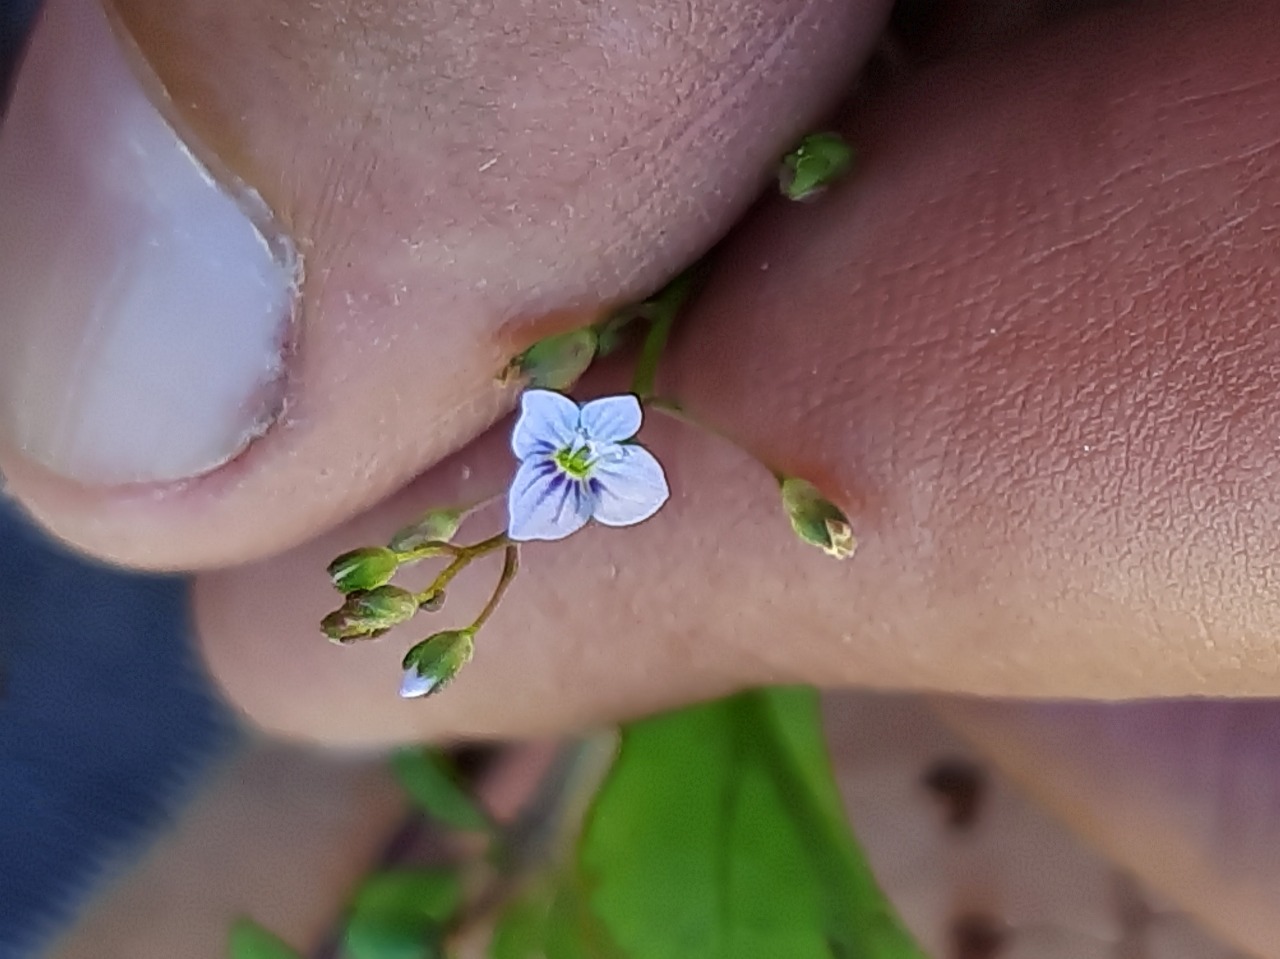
819	160
438	526
366	568
367	615
817	520
557	362
432	664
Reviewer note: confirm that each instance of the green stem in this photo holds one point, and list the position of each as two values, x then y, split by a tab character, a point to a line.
429	550
510	566
463	555
672	408
486	546
665	307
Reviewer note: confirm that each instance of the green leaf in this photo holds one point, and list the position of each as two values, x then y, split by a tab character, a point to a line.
521	930
402	915
248	940
720	834
554	920
574	931
429	778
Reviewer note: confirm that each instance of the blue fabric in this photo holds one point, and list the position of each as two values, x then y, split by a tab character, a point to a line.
106	721
14	17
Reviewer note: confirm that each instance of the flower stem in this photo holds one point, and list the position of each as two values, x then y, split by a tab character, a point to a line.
510	566
463	555
429	550
664	308
673	408
486	546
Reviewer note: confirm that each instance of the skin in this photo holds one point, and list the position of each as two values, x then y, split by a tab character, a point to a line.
1022	393
369	131
1029	346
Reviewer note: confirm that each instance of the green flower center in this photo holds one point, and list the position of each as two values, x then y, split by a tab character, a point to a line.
576	463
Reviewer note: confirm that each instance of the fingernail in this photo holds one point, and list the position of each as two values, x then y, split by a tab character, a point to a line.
144	306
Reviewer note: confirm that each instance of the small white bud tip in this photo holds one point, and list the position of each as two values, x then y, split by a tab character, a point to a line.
415	685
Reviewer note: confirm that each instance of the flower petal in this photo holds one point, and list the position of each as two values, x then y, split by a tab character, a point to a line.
548	421
612	419
630	486
544	503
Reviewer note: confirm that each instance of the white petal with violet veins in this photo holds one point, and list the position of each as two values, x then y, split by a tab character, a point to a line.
548	421
545	504
630	487
612	419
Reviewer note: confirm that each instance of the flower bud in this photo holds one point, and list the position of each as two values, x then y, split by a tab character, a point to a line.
432	664
438	526
362	569
367	615
557	362
819	160
433	602
817	520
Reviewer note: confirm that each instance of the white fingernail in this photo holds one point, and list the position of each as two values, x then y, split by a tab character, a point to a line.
144	307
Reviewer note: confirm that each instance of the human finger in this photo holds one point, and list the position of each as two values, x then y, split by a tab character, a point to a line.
262	261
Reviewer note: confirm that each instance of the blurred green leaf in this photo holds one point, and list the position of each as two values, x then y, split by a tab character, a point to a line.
719	834
432	783
402	915
574	931
552	921
522	928
248	940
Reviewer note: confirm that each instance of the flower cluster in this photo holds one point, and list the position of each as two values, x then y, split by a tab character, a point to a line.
576	463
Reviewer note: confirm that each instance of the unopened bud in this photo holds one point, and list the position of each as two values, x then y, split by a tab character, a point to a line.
438	526
362	569
367	615
557	362
434	662
819	160
817	520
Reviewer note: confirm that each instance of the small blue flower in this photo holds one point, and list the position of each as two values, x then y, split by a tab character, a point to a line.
575	465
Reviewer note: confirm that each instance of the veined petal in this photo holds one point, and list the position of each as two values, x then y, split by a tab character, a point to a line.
630	486
612	419
548	421
544	503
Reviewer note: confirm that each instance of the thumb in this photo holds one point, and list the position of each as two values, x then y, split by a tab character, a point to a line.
262	260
